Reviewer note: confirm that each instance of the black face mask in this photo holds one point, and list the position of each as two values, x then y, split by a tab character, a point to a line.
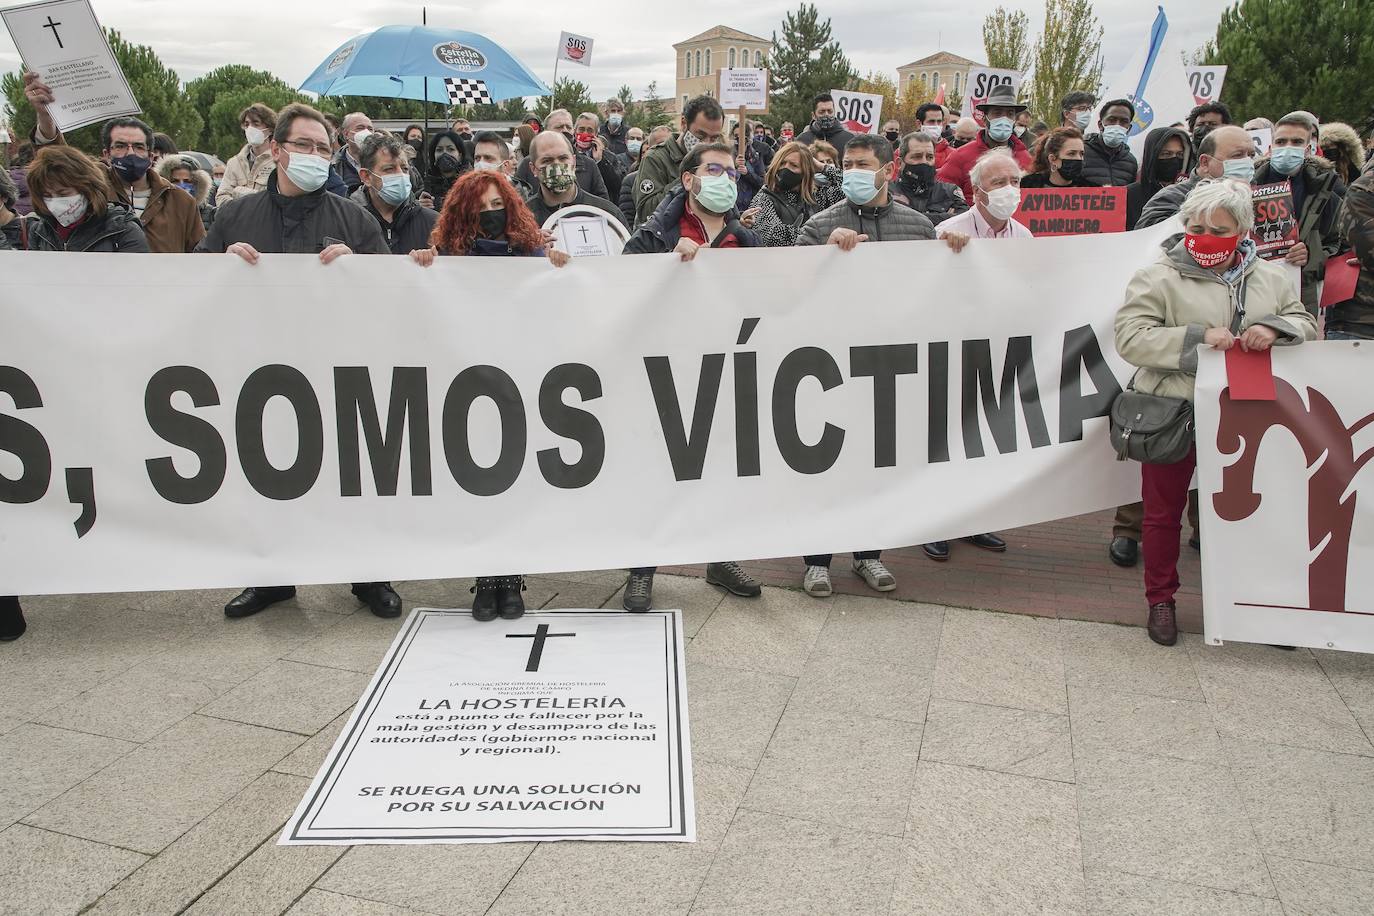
1166	170
892	136
1200	133
788	180
447	162
956	143
1071	169
417	145
919	176
492	223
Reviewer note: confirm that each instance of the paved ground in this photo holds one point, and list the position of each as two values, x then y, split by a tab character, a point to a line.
856	755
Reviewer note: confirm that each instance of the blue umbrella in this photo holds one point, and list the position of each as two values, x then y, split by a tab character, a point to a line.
411	62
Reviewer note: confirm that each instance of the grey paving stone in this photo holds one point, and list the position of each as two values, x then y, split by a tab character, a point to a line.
1001	660
1105	721
1309	889
1013	741
1352	674
1265	694
206	852
151	796
307	759
225	653
850	771
1170	819
641	878
1106	655
1114	893
290	696
357	644
864	686
575	594
696	599
902	633
453	880
772	633
779	865
138	704
48	873
268	881
40	763
326	903
734	712
989	843
1306	804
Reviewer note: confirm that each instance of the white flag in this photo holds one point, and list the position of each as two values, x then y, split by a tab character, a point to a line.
1155	82
576	48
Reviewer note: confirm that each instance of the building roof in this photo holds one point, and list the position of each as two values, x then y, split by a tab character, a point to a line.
725	32
942	58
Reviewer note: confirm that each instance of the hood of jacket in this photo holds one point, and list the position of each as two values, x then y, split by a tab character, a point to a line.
199	177
1154	143
1342	137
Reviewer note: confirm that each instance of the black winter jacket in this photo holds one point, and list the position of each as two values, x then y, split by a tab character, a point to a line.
543	211
410	225
837	138
1108	167
274	224
663	230
938	202
116	230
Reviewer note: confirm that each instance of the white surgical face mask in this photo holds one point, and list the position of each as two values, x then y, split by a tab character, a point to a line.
66	210
932	131
255	136
361	136
1002	202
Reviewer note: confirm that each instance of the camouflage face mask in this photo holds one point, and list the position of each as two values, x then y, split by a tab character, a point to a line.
557	177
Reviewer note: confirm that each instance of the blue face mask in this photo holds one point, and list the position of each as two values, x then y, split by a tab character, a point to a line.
1114	135
188	186
1000	129
859	186
1287	159
634	146
395	188
307	171
1239	169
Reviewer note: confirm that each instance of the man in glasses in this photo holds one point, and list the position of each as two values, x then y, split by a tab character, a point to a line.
698	213
703	121
296	215
170	217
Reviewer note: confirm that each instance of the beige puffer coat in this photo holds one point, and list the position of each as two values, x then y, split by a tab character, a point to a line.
1172	303
242	179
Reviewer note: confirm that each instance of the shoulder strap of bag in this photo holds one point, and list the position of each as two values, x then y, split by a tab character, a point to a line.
1239	317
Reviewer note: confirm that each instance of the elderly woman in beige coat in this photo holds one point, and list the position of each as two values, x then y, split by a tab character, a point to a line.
1191	296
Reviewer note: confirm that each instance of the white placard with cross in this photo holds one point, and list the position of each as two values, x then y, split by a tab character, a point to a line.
62	41
561	725
585	232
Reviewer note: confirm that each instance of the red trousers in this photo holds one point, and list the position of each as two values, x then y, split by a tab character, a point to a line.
1164	491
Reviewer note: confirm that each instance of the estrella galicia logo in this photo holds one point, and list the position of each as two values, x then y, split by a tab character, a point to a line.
1144	116
459	57
341	57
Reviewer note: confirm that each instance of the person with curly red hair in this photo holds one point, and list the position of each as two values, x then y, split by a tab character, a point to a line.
484	216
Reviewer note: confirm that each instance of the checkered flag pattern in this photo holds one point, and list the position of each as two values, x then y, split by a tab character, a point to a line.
464	92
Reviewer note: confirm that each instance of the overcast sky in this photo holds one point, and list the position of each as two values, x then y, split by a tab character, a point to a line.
633	39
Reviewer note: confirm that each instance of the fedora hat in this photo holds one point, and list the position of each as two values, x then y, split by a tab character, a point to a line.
1001	96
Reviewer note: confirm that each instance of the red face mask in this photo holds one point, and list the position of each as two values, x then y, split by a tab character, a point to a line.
1211	250
585	139
787	135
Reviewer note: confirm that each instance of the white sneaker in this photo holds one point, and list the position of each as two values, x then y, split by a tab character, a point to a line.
817	581
875	574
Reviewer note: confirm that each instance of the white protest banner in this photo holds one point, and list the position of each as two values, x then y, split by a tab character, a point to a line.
1205	82
575	48
1287	535
859	112
981	82
1262	137
62	42
292	422
743	87
562	725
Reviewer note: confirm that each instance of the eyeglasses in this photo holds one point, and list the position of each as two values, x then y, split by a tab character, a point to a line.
715	170
302	145
119	146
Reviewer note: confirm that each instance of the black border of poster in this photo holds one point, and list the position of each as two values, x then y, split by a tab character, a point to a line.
397	654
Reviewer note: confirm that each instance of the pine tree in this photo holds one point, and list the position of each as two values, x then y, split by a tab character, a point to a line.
1285	55
1067	57
653	112
1006	41
805	61
567	93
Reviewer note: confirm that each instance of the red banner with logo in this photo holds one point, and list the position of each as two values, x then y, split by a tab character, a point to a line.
1072	211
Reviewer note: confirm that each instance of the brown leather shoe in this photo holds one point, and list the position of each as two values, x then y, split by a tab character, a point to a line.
1163	628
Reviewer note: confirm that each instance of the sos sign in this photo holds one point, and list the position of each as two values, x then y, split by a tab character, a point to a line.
858	112
982	81
1205	82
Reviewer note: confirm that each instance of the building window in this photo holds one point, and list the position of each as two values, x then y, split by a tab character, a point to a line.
732	57
956	83
708	61
684	103
923	82
758	58
698	68
935	80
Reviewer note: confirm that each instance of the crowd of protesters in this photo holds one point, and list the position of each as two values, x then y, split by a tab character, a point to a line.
304	184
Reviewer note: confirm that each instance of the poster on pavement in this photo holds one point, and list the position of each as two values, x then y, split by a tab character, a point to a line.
1284	488
859	112
270	424
981	82
561	725
62	41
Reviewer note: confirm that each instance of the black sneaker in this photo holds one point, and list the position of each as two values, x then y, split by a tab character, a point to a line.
12	625
484	602
510	604
731	577
639	592
254	599
380	598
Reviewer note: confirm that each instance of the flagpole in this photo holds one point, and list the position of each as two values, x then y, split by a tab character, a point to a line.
424	106
553	89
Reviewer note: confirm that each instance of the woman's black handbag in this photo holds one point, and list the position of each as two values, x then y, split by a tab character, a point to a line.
1151	429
